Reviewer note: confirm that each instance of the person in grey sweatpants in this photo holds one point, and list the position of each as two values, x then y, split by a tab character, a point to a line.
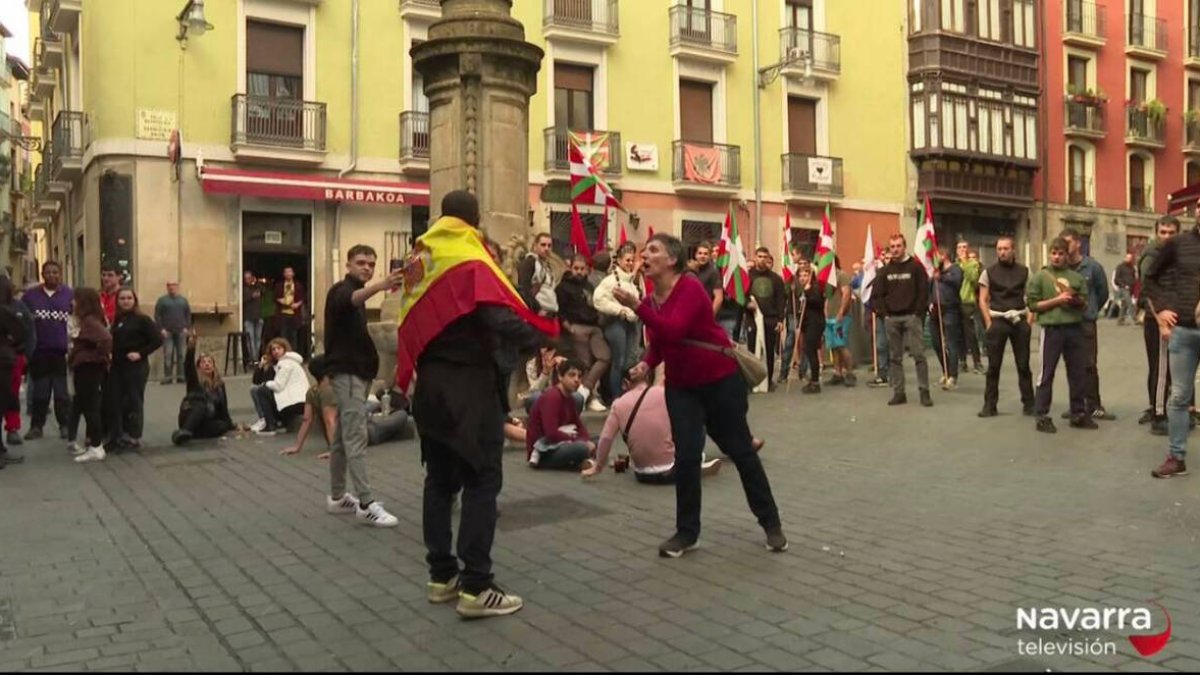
901	298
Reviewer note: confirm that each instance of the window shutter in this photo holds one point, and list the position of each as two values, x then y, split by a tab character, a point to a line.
274	49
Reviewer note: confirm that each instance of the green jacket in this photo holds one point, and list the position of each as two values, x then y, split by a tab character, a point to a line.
1043	286
972	270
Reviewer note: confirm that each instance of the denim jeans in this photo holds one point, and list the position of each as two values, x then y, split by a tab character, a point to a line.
1184	351
173	355
622	342
253	329
729	324
568	455
1124	299
264	405
949	335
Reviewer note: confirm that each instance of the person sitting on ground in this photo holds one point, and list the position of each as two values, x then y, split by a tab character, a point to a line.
540	372
204	412
279	400
640	416
556	437
320	408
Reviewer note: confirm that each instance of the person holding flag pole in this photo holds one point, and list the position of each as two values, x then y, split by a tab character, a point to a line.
930	257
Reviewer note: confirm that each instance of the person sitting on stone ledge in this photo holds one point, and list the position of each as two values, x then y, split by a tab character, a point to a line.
279	400
320	409
204	412
640	417
556	437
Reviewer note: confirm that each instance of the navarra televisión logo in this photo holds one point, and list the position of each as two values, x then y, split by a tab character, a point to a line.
1119	620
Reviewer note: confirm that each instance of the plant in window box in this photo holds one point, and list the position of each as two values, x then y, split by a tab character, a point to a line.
1085	96
1191	118
1155	110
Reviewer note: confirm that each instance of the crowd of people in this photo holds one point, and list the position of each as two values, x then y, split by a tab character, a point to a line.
646	335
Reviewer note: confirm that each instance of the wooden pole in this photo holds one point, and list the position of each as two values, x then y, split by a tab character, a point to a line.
799	340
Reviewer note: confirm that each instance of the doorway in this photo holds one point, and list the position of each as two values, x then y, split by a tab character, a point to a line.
272	242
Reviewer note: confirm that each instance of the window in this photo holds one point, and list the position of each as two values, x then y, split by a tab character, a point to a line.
1138	84
1077	179
802	125
573	97
1077	69
953	18
799	14
696	111
560	231
1193	95
987	19
1137	22
274	60
696	232
1137	183
1023	24
1193	173
420	102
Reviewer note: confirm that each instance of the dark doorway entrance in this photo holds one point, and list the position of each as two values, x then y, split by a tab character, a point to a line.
270	243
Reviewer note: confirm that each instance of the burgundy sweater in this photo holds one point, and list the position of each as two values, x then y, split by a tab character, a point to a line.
553	410
686	315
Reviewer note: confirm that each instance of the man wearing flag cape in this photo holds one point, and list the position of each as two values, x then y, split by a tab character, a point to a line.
463	328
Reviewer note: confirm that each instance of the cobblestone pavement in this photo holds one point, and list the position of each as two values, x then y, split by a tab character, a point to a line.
916	534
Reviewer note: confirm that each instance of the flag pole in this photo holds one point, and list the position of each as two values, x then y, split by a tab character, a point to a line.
874	346
937	295
799	337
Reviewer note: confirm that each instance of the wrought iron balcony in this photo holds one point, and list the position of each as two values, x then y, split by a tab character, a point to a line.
940	53
1081	192
605	147
1142	128
706	167
1146	35
1085	23
1141	198
278	123
812	177
578	19
68	138
1084	117
810	53
703	33
414	141
1191	141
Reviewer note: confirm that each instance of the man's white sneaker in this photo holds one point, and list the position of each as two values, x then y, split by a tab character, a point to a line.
75	448
375	515
259	425
340	507
596	405
95	454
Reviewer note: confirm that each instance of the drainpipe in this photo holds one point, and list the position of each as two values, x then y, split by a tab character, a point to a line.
758	220
1045	140
337	212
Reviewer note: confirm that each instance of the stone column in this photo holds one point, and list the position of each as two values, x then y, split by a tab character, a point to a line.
479	74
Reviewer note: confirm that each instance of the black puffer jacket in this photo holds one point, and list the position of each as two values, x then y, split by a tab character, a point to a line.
575	301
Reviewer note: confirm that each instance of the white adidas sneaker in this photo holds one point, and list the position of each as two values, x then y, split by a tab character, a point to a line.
375	515
95	454
346	505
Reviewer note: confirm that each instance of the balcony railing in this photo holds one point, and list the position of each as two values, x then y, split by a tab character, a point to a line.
824	49
605	147
1085	18
1194	42
594	16
69	138
1079	193
979	183
1147	32
812	175
414	135
712	164
1192	135
697	27
1084	117
1141	127
280	122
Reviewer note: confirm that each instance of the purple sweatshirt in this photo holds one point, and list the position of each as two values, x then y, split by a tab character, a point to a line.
50	314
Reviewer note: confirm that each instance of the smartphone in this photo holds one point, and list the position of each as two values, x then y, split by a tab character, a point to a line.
396	264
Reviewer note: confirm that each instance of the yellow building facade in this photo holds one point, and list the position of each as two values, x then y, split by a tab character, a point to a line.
191	141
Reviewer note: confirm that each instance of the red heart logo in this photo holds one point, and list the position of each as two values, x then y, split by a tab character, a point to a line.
1149	645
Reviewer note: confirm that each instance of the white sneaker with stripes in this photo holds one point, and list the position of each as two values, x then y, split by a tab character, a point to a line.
492	602
375	515
340	507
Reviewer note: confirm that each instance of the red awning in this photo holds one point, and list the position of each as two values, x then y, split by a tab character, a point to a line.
312	187
1181	199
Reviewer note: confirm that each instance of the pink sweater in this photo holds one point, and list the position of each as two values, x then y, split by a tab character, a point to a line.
651	447
686	315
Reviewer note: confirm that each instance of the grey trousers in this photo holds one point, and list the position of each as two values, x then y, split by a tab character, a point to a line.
906	334
349	448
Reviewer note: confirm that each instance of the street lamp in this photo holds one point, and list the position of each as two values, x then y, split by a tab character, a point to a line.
191	21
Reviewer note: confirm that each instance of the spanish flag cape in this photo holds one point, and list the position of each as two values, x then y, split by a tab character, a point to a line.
447	276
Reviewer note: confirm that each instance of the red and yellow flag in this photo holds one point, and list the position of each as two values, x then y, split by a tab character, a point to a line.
447	276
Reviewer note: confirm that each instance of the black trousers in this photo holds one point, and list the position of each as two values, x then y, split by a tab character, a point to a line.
813	331
1066	343
1158	378
770	340
126	411
1091	354
1017	334
720	410
87	405
47	377
201	423
446	474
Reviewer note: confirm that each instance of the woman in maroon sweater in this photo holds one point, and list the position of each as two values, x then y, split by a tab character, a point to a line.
91	352
705	391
